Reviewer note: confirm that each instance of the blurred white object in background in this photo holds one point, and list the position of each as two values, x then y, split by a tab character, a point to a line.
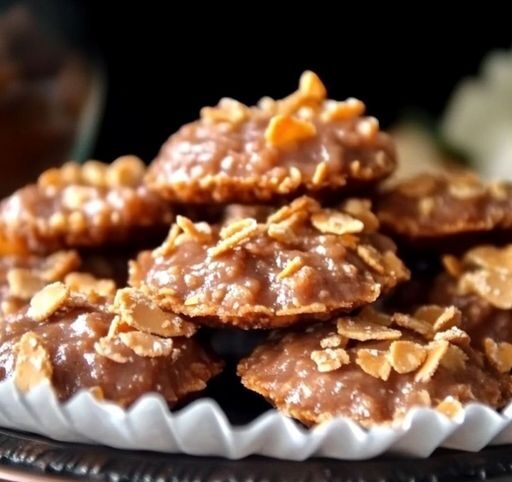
478	118
417	151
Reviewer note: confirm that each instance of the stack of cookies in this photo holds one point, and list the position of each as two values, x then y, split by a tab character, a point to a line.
266	217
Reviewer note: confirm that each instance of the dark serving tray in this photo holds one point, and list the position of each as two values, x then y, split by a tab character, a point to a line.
30	457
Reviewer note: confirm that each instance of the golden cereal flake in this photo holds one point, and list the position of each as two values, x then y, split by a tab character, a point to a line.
125	171
439	317
374	362
24	283
452	265
406	356
371	257
330	359
47	301
284	131
321	174
198	231
450	407
333	341
248	229
436	350
33	364
303	204
362	210
499	354
335	222
454	335
169	243
144	314
454	358
362	330
311	86
147	345
493	286
108	347
87	284
421	327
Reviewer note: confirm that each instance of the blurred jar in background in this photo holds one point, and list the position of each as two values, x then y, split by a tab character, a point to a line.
51	89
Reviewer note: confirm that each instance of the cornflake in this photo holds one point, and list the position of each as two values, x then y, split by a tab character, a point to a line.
371	257
333	341
33	364
291	268
454	358
454	335
87	284
421	327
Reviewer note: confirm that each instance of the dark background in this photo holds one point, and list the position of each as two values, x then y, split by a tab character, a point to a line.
165	62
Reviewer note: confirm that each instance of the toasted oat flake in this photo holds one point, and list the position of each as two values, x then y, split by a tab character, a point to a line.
454	358
439	317
370	314
454	335
109	348
421	327
452	265
436	350
33	364
362	330
47	301
291	268
248	228
320	174
88	284
335	222
303	204
330	359
374	362
58	264
144	314
499	354
493	286
199	231
371	257
285	130
24	283
146	344
406	356
450	407
333	341
362	210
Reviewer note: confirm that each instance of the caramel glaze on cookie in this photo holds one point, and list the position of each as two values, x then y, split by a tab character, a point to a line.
303	144
303	263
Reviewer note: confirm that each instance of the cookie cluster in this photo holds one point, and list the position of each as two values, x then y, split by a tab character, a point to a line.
264	217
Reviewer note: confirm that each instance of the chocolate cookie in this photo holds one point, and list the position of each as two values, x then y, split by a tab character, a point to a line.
372	368
119	350
432	209
303	144
84	206
303	263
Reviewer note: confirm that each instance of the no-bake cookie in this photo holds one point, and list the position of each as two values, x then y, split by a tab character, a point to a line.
303	263
302	144
372	368
480	285
119	349
87	205
431	208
